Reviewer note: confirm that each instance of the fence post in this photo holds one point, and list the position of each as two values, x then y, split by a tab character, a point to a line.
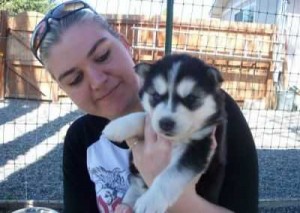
169	27
3	41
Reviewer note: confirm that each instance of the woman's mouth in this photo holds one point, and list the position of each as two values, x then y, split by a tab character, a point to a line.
109	92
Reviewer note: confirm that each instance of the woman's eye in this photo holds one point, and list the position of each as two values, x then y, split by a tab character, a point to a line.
103	57
76	80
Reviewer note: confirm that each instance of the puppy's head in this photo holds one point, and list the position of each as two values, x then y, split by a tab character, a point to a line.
178	92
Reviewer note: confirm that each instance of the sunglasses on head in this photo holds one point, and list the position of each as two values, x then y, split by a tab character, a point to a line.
59	12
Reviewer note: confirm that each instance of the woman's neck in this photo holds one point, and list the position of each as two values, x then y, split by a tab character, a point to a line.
135	108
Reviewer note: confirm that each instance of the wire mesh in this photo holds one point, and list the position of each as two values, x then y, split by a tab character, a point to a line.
255	44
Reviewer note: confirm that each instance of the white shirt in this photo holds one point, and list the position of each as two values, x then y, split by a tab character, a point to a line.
108	167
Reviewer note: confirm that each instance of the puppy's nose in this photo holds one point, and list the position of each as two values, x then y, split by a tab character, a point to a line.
166	124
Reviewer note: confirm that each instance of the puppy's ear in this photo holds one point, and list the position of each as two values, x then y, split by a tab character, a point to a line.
215	76
142	69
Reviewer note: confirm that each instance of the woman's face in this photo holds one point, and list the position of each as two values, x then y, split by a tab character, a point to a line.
95	69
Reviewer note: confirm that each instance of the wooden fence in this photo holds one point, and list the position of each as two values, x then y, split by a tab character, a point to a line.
24	77
3	36
242	51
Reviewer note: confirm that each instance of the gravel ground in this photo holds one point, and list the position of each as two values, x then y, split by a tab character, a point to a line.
31	135
292	209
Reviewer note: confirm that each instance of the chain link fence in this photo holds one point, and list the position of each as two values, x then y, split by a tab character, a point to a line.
255	44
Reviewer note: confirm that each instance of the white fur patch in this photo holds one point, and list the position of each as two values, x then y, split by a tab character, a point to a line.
146	103
125	127
198	135
185	87
173	73
160	111
172	78
160	85
207	109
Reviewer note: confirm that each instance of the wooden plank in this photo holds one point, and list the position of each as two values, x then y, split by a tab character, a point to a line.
217	55
25	21
18	48
217	25
207	41
31	82
270	93
18	37
3	39
27	79
202	24
244	78
34	63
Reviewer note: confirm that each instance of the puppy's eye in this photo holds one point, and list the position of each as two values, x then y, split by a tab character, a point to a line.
190	99
156	97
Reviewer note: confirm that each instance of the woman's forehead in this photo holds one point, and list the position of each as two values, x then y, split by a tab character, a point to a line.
84	33
74	46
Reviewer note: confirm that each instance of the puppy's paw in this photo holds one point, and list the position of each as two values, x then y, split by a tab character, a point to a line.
151	202
116	130
123	128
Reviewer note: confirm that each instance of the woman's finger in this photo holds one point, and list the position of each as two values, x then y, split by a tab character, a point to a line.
213	137
213	132
133	142
150	135
123	208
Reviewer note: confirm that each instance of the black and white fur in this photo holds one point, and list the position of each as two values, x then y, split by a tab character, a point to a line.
183	97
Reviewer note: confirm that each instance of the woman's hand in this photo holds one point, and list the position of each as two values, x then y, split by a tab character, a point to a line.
123	208
151	156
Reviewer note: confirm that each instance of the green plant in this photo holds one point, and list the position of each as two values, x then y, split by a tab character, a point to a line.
18	6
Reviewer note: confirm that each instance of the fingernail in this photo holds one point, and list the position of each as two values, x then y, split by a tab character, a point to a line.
125	209
122	208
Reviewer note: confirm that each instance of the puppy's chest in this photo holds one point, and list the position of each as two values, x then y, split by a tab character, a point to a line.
191	152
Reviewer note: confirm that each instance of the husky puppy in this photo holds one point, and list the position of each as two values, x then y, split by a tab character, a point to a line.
183	97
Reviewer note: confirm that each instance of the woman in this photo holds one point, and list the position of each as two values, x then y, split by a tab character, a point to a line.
93	65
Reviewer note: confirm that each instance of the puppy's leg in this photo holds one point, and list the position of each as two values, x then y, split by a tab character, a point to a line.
136	189
168	186
125	127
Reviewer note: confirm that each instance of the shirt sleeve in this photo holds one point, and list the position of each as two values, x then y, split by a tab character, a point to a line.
79	190
240	187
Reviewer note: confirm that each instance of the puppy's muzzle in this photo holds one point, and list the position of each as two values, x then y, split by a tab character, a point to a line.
167	125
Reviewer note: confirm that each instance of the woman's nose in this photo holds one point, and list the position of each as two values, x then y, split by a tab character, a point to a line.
96	78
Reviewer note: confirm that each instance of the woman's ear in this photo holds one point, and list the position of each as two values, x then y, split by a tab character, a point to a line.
142	69
216	76
126	44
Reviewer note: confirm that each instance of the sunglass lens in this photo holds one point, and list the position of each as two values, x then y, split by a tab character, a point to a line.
38	35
